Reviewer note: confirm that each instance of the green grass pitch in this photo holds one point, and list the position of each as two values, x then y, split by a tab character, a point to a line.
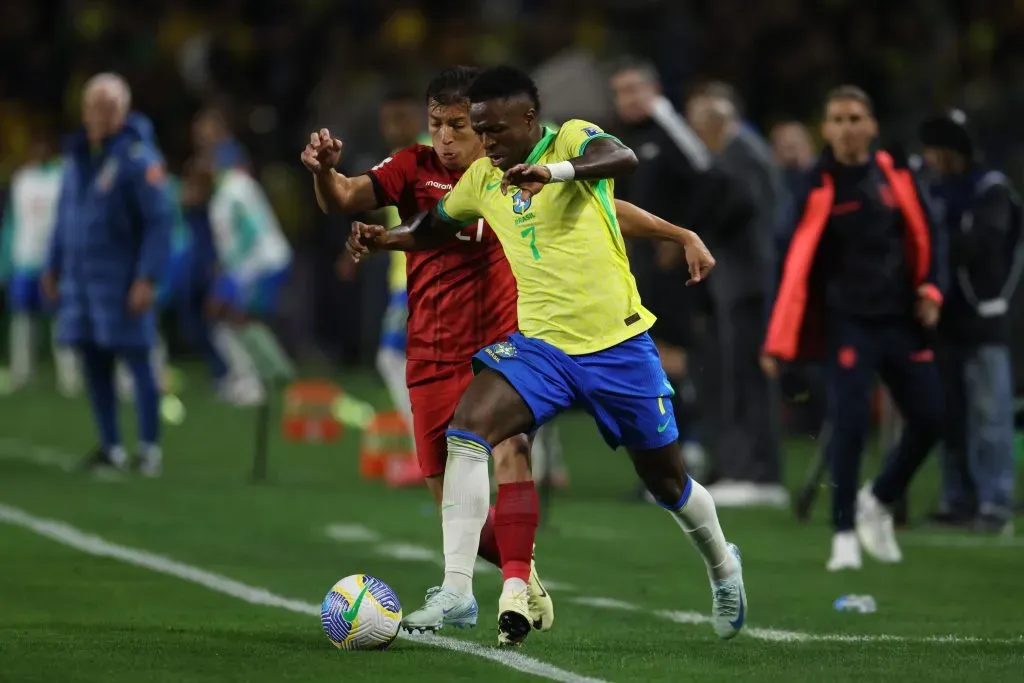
110	593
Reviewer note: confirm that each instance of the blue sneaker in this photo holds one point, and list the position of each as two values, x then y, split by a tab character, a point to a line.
729	606
443	607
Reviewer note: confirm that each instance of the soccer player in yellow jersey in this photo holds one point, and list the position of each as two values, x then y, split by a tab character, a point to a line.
583	341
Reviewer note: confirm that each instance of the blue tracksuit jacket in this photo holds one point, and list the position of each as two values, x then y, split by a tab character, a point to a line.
114	223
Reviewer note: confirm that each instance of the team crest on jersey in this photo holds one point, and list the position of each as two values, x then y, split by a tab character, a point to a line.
505	349
519	205
105	179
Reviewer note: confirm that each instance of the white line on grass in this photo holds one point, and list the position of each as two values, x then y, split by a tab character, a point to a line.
15	449
954	541
784	636
406	552
68	535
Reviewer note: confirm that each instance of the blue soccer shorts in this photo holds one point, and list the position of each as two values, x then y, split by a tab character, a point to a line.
624	388
25	293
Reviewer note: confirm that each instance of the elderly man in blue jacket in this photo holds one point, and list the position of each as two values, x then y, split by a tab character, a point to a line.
110	250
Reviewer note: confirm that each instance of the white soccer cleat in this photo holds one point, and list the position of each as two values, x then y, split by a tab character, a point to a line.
443	607
875	528
542	609
845	552
150	462
514	618
729	605
243	391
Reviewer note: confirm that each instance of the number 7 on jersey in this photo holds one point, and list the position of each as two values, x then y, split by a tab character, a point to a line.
531	233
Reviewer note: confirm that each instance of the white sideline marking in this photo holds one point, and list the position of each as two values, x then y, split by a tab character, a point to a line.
784	636
15	449
953	541
351	533
403	552
407	552
68	535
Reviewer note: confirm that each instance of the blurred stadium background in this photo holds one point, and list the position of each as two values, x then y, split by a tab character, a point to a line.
278	69
285	68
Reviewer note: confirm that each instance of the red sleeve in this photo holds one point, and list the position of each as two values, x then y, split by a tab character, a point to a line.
392	176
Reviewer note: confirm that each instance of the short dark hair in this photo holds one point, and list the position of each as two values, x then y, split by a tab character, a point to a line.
641	66
720	90
500	82
850	92
451	86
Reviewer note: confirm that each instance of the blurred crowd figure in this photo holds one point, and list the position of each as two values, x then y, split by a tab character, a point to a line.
108	243
703	166
712	173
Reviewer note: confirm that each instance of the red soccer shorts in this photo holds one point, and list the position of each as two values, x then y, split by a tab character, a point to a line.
434	391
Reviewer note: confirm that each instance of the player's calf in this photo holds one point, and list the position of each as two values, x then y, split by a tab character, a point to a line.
694	511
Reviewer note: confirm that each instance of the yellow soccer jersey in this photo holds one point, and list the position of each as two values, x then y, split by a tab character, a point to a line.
396	268
576	291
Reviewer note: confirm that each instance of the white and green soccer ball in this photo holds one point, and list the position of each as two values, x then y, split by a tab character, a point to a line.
361	613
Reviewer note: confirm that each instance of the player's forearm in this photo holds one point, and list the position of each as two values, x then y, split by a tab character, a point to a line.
417	234
604	158
334	192
636	223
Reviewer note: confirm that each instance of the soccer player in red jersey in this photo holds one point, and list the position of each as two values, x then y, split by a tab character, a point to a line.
462	297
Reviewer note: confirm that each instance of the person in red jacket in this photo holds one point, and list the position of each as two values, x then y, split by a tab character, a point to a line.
861	291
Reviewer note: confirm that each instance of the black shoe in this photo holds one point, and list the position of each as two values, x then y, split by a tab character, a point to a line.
99	460
951	518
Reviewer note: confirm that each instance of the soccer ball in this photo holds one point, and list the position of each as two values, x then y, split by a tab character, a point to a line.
361	613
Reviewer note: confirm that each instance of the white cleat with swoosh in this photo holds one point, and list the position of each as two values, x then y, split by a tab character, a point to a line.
729	606
443	608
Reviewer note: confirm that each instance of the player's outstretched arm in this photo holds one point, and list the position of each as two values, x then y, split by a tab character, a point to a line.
638	223
603	158
425	230
335	193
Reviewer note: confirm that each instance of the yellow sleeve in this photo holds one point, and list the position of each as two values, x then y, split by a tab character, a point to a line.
574	136
396	272
460	204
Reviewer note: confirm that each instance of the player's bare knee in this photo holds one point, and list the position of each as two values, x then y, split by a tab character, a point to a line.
471	416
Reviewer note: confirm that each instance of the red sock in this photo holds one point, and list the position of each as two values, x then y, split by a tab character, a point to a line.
515	527
488	543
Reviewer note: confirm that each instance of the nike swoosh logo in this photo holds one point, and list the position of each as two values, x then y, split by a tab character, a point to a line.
491	186
448	505
352	612
738	622
663	427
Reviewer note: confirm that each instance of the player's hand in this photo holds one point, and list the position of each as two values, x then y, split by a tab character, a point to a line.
322	153
927	309
699	260
529	178
141	296
364	239
51	288
770	366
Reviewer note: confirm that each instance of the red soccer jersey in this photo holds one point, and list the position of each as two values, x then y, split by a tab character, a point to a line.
462	296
